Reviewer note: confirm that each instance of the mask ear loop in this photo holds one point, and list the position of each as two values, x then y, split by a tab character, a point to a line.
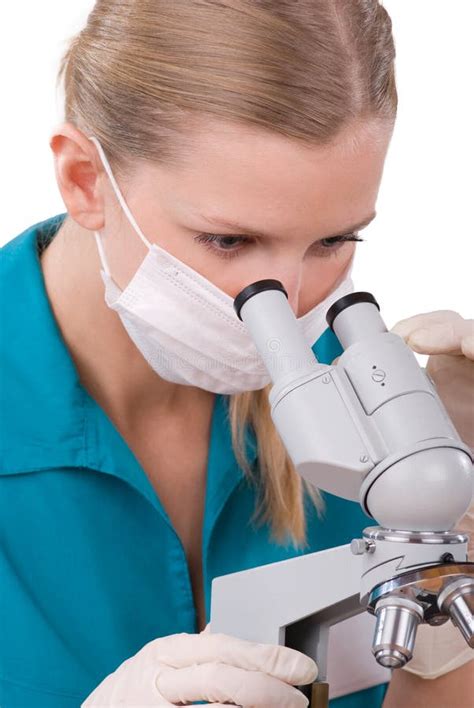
102	256
122	202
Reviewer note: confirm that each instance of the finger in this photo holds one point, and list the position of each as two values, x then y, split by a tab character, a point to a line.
223	683
133	683
467	346
438	339
408	325
283	663
443	338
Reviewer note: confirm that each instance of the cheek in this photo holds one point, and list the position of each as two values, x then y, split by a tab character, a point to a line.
233	279
230	275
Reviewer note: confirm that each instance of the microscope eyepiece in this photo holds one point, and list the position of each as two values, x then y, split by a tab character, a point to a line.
253	289
347	301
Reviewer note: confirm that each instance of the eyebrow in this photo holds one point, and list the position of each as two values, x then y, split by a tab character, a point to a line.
242	229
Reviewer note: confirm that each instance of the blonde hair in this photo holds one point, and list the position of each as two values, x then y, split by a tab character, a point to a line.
141	70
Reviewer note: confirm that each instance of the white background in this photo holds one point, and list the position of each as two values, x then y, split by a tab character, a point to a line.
419	252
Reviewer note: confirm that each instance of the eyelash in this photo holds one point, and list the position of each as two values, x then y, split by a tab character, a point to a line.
209	241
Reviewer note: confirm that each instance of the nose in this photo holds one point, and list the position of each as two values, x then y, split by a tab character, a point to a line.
291	270
291	281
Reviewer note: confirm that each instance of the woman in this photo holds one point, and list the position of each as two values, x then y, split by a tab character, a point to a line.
241	140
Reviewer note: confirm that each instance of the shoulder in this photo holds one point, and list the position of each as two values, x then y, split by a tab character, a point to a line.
31	241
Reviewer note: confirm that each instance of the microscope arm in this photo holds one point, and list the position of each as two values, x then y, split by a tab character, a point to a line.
283	595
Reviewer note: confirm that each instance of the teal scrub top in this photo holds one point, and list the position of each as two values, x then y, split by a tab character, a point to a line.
91	568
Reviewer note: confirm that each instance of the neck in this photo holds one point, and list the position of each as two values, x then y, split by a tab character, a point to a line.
109	365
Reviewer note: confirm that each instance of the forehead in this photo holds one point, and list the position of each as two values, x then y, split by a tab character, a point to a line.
245	174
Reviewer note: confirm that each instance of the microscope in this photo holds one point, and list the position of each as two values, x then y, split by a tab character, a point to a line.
371	428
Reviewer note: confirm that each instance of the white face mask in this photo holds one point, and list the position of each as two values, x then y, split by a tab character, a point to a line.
185	326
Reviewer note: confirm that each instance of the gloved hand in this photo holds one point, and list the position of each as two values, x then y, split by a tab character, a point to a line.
182	668
449	340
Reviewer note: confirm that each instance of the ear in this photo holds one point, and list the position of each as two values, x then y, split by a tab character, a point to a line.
78	173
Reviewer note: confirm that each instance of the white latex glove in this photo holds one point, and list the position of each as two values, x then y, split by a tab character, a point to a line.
217	668
449	340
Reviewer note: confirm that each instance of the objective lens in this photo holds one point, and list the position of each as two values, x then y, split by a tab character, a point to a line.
457	599
395	631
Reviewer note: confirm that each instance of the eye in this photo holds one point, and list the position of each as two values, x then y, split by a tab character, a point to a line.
329	246
223	246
